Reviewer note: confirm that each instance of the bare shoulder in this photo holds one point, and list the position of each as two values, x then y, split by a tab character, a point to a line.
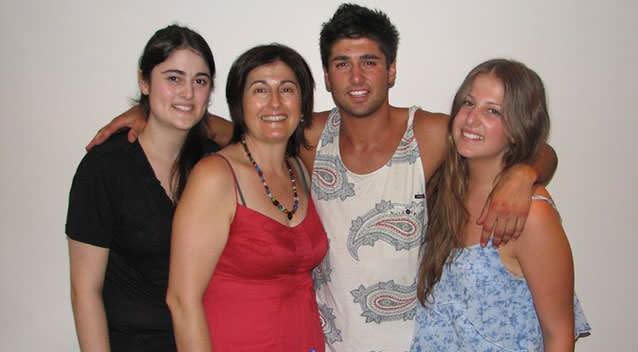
211	175
318	123
430	123
430	132
543	227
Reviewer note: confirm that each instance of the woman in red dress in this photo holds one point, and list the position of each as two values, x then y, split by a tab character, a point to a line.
246	235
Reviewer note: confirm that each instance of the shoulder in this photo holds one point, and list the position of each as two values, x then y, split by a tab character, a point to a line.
430	132
313	133
114	152
543	227
430	123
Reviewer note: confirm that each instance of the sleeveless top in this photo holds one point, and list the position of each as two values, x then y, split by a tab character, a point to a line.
478	305
366	287
260	296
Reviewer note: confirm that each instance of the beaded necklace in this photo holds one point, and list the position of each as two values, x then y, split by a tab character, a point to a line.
275	202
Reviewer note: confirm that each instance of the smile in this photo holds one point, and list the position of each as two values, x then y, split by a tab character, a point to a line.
358	93
273	118
184	108
471	136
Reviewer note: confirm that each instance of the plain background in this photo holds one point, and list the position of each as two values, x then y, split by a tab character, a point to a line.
67	67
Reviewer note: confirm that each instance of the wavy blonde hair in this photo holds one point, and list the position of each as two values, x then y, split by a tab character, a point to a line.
526	123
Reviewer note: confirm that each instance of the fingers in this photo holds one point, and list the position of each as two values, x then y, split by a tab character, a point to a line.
132	135
97	139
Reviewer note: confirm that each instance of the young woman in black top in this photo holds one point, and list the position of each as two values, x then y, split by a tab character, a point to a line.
123	198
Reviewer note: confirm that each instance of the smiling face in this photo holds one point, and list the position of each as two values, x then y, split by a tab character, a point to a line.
178	90
358	76
479	128
271	103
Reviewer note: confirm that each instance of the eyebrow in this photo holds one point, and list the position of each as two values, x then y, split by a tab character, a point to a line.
489	102
362	57
266	83
180	72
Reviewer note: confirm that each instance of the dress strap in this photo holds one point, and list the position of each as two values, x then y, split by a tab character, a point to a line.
411	112
301	170
545	199
232	171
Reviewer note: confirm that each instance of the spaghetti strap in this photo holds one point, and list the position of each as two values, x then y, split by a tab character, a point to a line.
545	199
302	172
232	171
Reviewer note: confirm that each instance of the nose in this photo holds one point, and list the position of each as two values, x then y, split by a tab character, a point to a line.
472	116
187	91
356	74
275	99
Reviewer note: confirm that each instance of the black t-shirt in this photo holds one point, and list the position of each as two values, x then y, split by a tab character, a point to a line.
116	202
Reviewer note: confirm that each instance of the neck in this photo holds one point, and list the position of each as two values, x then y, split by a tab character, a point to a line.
483	173
269	157
162	142
366	130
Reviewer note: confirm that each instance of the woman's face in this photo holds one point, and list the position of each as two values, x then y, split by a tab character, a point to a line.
178	90
271	102
478	128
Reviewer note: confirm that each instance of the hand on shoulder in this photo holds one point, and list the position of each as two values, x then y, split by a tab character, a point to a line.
430	131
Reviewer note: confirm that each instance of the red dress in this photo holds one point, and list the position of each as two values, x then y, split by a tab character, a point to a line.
261	296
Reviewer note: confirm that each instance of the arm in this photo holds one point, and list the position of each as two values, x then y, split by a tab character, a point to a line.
545	257
88	265
430	131
505	210
200	231
219	129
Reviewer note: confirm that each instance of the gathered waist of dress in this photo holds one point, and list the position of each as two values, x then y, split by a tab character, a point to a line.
226	285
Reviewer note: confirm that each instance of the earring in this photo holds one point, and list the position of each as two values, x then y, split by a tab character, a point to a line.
301	120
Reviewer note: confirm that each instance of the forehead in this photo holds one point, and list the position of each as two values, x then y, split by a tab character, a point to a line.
487	85
276	71
352	48
185	59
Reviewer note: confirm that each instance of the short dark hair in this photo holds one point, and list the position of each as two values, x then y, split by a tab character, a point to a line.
263	55
161	45
353	21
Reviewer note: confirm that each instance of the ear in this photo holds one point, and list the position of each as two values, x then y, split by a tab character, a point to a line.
326	80
141	82
392	74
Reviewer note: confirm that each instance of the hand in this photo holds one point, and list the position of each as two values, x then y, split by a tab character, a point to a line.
505	211
133	118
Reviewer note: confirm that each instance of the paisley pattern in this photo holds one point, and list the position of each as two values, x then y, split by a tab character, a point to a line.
330	179
407	151
321	273
399	225
479	306
331	130
330	331
386	301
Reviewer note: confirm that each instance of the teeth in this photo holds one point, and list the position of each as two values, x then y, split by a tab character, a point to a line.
185	108
273	118
358	93
472	136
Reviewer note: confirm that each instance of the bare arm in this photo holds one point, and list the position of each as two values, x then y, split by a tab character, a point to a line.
506	209
200	231
545	257
219	129
88	265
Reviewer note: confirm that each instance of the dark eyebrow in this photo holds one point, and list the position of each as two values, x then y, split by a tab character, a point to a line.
370	57
281	83
182	73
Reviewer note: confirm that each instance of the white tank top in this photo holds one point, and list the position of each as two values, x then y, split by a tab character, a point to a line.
365	286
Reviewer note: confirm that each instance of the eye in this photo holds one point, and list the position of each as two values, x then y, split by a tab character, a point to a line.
260	90
172	78
341	64
467	102
494	111
289	89
203	82
369	63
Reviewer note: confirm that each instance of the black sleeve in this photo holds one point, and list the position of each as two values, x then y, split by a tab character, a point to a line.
91	216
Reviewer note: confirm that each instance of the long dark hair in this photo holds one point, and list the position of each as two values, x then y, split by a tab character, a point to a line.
161	45
263	55
527	125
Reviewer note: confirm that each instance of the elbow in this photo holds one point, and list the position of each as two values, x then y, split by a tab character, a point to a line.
178	303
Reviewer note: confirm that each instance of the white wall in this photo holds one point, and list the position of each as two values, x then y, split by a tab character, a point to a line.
68	66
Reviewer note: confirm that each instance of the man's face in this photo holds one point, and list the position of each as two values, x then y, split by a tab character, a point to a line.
358	76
